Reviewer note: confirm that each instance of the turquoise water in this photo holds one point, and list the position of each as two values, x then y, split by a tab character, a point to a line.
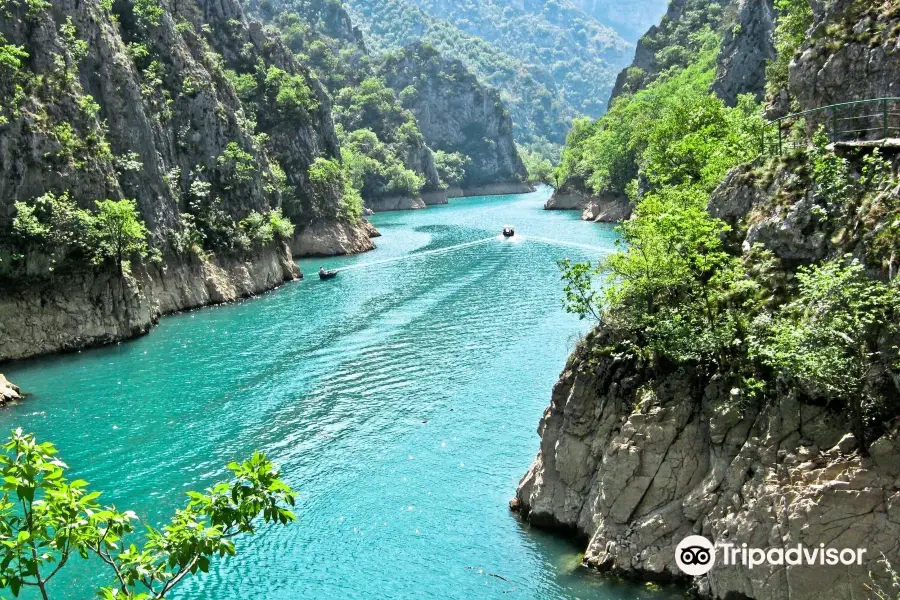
400	399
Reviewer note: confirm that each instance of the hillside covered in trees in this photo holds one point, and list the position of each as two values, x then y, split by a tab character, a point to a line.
551	62
386	156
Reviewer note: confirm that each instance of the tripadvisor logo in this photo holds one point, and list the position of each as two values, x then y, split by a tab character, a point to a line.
696	555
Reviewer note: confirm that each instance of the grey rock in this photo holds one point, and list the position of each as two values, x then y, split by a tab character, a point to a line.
746	48
326	239
100	307
456	113
634	466
391	203
860	65
607	209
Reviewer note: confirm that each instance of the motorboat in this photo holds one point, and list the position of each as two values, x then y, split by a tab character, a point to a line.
508	232
327	274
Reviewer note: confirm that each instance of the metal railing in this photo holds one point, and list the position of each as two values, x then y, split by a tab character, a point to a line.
869	121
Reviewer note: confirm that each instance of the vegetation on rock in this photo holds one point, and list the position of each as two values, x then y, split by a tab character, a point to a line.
818	315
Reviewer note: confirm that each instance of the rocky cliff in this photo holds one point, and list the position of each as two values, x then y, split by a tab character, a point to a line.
637	454
671	43
8	391
634	462
210	125
456	113
738	38
369	116
747	46
599	209
850	54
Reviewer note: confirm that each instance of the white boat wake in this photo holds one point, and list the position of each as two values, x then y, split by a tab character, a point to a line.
416	255
517	238
571	244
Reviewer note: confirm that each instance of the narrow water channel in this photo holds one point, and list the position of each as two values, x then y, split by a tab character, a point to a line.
401	400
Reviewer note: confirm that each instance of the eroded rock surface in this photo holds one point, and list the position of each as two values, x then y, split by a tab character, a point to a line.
635	467
100	307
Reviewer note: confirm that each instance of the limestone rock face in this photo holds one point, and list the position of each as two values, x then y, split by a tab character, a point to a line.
857	63
100	307
456	113
567	200
745	50
636	467
391	203
320	239
122	107
607	208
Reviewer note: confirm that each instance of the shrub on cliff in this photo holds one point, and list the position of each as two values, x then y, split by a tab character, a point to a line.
672	291
674	132
830	339
47	521
327	176
55	227
118	232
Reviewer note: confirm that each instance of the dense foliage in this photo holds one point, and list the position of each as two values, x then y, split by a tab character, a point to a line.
56	229
674	132
674	44
535	103
382	147
680	293
675	294
47	521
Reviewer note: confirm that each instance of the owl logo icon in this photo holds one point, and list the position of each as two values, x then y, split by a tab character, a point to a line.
695	555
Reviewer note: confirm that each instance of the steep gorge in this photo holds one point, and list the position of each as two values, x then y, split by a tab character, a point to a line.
138	101
640	448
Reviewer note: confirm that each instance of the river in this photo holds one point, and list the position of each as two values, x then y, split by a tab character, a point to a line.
400	399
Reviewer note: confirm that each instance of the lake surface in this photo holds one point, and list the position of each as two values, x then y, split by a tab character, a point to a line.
401	400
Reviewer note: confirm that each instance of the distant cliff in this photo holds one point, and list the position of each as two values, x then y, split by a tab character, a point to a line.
746	27
723	46
392	165
208	124
457	114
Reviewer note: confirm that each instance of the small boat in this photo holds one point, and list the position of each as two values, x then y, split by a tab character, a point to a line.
509	232
327	274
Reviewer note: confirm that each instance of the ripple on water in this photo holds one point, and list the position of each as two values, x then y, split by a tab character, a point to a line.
400	400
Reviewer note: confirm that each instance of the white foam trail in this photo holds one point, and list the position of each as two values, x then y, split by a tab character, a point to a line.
416	255
571	244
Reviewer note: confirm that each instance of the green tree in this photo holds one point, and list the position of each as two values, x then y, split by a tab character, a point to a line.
451	167
673	290
119	232
828	339
46	521
53	225
795	17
